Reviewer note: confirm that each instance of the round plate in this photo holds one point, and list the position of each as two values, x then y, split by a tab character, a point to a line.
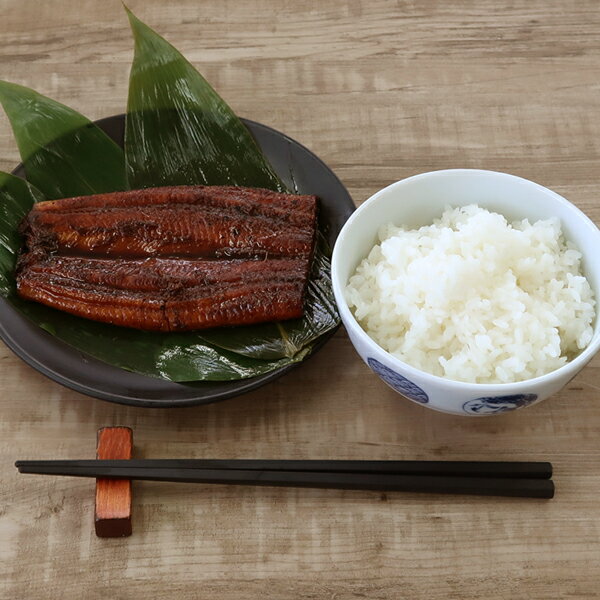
300	169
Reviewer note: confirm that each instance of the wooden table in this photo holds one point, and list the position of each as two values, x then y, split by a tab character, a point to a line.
380	90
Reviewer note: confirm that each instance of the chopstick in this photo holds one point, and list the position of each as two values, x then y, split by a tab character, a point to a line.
378	481
500	469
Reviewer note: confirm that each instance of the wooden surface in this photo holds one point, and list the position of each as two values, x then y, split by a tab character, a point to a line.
380	90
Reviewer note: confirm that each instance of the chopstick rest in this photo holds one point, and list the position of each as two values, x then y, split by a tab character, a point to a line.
112	516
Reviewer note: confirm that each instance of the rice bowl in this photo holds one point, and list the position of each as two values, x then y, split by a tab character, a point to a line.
416	202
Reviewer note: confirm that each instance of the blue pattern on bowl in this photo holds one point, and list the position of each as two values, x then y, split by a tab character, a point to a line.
492	405
398	382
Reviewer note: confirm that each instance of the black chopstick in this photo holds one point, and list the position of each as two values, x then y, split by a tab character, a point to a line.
511	470
487	486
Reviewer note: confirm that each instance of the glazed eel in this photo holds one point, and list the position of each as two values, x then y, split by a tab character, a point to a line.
172	258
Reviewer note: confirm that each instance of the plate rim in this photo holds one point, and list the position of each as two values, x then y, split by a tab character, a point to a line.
243	385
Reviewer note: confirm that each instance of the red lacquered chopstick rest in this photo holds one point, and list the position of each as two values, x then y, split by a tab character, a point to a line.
113	496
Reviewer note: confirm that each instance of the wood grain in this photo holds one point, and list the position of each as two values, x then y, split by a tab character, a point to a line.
380	90
112	511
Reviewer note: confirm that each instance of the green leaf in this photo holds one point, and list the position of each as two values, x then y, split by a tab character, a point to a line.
16	199
64	153
179	130
201	361
176	357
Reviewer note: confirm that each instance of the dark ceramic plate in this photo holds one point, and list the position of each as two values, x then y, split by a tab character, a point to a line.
300	169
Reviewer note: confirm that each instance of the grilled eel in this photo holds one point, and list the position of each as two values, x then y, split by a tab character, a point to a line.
172	258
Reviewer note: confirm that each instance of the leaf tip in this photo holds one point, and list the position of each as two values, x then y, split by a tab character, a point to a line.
6	87
9	94
12	93
128	11
135	23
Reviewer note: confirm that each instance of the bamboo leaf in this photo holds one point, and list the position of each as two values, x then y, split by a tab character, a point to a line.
176	357
64	153
179	130
203	362
16	199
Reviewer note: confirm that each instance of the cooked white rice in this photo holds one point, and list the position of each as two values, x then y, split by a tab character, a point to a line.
474	298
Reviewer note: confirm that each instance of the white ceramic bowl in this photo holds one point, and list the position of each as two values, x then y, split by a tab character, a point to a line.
417	201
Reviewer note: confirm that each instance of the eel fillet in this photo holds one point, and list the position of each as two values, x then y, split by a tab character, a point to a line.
171	259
